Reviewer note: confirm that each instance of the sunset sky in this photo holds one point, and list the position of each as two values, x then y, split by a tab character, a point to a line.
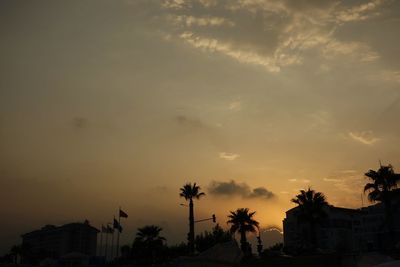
107	103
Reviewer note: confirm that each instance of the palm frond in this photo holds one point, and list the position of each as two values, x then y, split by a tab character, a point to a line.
242	221
312	205
189	191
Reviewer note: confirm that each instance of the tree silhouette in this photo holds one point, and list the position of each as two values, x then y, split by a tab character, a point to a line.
208	239
383	182
190	192
242	221
312	210
125	252
148	245
149	236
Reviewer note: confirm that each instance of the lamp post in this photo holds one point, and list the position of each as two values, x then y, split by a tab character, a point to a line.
259	243
213	218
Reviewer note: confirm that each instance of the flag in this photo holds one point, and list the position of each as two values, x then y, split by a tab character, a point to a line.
110	230
123	214
117	226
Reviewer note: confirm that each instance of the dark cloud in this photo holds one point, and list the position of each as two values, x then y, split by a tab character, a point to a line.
261	192
189	122
233	188
79	122
271	235
229	188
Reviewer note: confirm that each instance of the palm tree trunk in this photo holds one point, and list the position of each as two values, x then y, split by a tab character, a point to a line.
313	233
191	227
243	242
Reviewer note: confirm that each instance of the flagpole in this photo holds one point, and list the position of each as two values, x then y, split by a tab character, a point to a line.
119	222
112	243
101	240
105	252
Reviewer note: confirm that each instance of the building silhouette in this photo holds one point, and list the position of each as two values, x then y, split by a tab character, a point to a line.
343	229
57	241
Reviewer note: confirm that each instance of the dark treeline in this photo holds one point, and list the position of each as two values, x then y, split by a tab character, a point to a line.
150	248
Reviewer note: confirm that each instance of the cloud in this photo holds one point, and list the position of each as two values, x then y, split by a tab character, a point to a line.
228	156
364	137
361	12
272	228
190	21
261	192
390	76
189	122
349	181
270	33
305	181
271	235
174	4
229	188
233	188
235	106
356	50
79	122
208	3
272	64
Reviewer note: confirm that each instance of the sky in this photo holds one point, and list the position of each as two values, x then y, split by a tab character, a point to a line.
108	103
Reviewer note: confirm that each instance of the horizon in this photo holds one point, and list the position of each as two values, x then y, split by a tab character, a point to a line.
119	103
270	234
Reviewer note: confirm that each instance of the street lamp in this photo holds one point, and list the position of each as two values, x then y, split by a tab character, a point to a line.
259	243
213	218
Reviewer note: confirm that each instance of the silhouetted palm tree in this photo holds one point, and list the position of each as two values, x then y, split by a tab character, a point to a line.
148	245
190	192
312	210
384	180
149	235
242	222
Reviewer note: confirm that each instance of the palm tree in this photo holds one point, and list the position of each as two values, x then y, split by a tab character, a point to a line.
312	210
190	192
242	222
384	181
149	235
148	243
